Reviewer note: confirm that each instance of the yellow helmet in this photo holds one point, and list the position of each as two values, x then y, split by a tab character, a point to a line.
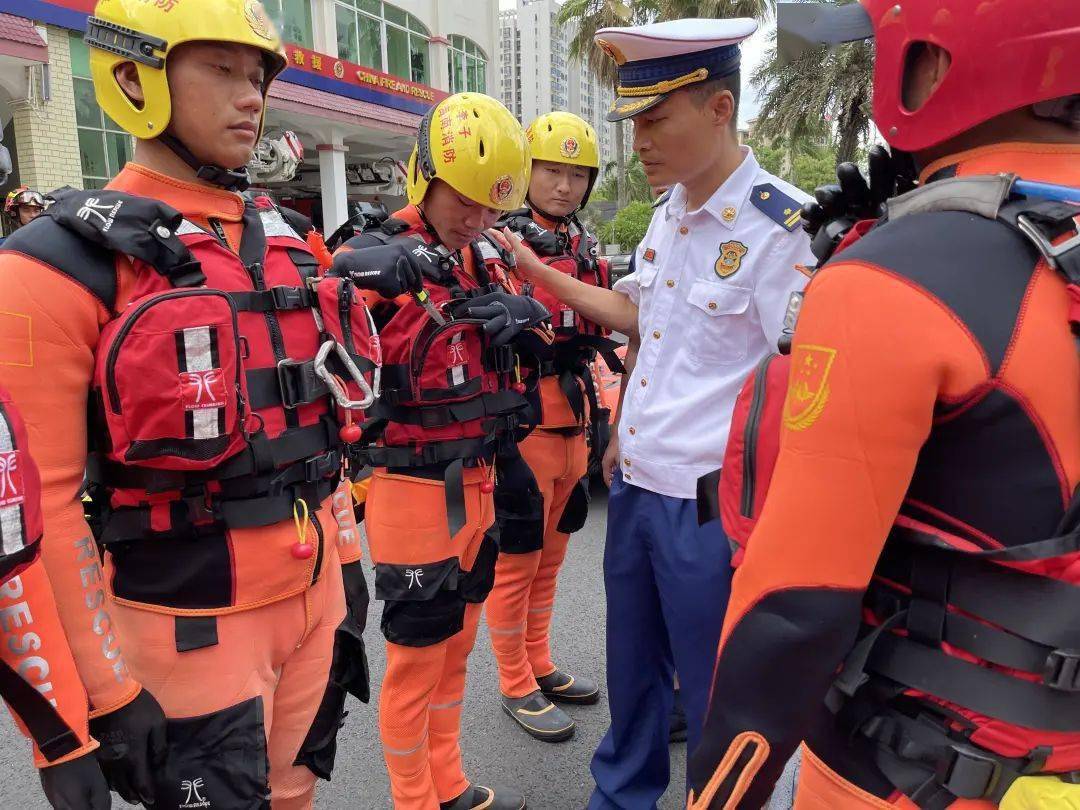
473	144
147	32
563	137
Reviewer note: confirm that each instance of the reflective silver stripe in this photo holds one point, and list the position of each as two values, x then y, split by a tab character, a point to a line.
11	517
274	224
457	373
198	357
540	610
404	752
438	707
568	317
506	631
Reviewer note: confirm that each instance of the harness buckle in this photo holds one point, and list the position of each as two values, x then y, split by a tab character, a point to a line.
968	773
1062	670
286	298
320	467
289	395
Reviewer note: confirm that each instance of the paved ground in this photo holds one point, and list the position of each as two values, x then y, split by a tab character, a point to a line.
554	777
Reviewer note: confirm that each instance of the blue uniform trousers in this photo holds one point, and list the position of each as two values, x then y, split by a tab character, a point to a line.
667	582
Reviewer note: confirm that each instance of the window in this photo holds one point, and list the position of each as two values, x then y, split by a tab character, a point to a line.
467	66
293	19
383	37
104	147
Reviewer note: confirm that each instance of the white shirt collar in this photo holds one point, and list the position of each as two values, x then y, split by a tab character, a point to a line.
727	202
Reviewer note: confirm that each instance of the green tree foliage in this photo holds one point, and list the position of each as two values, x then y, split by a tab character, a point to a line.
807	164
629	225
634	181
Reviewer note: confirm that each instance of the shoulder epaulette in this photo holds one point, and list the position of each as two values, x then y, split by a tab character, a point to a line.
663	198
781	208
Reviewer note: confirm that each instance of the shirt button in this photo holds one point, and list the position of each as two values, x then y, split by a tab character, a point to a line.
656	335
644	382
684	230
626	461
628	477
670	283
712	305
632	431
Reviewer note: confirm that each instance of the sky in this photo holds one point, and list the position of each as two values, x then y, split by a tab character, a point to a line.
753	51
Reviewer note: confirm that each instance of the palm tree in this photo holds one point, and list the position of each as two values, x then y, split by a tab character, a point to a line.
588	17
633	180
825	94
717	9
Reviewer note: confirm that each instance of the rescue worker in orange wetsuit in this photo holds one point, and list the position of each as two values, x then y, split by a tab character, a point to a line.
187	322
38	679
452	398
536	516
906	604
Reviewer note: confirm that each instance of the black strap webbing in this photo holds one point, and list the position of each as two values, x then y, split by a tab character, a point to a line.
53	736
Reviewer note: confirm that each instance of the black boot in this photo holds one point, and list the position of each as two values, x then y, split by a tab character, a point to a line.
478	796
677	721
539	717
563	688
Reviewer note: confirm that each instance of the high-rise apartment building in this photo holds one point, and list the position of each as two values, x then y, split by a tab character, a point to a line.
536	74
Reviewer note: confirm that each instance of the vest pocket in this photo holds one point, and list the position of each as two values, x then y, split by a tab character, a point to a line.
172	379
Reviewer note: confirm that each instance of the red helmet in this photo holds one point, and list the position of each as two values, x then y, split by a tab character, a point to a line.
22	196
1006	54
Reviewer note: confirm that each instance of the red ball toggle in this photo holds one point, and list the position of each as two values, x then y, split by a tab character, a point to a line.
519	387
487	487
350	433
302	551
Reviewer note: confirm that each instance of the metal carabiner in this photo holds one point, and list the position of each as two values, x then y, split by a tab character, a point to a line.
341	396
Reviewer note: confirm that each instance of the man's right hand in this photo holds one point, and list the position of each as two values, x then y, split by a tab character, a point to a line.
390	270
133	747
610	462
76	785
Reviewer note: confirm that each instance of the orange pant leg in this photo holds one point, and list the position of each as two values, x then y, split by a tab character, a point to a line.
274	660
821	788
520	607
542	594
430	622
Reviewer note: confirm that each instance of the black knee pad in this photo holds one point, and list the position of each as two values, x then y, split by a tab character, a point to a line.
216	761
519	507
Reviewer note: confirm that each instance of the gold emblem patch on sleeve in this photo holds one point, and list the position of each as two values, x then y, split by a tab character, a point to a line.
731	256
808	391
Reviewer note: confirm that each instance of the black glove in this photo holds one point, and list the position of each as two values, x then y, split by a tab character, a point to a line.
133	747
838	207
542	241
506	315
76	785
390	270
352	674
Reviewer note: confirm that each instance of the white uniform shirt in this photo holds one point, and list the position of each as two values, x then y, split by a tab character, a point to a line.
702	334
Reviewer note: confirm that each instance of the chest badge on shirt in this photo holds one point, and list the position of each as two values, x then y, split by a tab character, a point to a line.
808	392
649	255
731	256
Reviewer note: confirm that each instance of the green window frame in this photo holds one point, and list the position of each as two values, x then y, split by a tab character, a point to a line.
383	37
104	147
467	66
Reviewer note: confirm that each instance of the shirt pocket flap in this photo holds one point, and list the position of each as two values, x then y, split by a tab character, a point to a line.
719	299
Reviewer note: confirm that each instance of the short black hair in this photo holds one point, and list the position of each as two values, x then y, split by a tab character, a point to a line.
703	91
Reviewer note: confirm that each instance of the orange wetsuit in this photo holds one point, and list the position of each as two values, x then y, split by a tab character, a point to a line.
934	377
257	676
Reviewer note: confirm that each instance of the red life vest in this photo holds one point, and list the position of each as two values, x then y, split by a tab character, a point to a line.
447	394
217	391
983	636
20	494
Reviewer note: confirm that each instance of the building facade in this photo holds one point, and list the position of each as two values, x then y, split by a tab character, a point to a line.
361	75
537	75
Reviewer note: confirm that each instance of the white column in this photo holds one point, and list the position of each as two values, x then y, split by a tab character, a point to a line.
332	178
438	51
324	27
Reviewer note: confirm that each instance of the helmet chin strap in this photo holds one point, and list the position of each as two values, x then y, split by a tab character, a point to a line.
550	217
229	179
